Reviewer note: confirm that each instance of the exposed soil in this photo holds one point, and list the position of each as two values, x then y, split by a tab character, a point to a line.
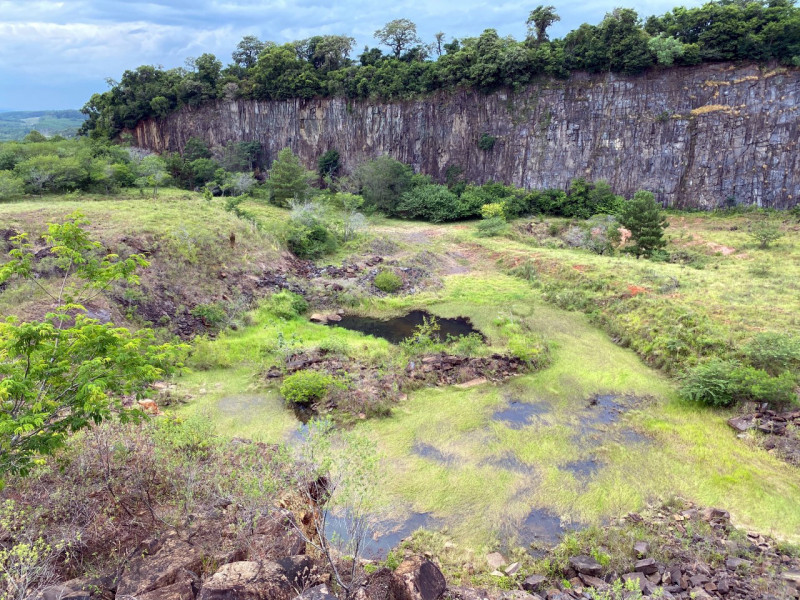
371	391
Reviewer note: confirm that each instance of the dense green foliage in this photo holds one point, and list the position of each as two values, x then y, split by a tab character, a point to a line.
288	179
719	382
387	281
305	387
643	217
287	305
60	165
321	65
64	372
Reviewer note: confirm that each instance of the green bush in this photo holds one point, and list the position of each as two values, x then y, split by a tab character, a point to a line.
493	209
287	305
310	241
711	383
719	382
774	352
305	387
212	315
433	203
388	281
486	142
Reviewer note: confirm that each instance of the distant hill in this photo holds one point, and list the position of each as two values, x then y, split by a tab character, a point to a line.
15	125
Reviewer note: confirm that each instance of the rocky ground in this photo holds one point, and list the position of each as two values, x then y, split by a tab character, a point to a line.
692	554
371	390
778	432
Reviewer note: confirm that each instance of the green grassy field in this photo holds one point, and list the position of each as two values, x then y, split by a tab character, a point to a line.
443	451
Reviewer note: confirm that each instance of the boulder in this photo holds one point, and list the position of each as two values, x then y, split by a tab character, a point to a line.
166	563
421	579
734	563
495	560
586	565
641	549
511	569
638	577
533	583
250	580
646	566
318	318
742	424
181	590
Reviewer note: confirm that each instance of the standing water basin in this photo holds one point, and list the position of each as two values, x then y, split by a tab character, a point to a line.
397	329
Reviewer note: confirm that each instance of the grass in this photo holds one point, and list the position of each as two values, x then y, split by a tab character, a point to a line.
689	451
682	450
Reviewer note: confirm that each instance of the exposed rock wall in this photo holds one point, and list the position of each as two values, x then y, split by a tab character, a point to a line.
698	137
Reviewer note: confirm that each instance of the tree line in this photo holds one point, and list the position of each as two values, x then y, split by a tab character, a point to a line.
403	65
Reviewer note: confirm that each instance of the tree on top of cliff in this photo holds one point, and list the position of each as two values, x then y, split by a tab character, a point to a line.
288	179
539	20
247	51
643	217
399	35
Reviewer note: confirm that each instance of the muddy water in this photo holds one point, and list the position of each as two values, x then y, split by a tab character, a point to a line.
397	329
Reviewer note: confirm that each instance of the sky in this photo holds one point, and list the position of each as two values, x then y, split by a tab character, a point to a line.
56	54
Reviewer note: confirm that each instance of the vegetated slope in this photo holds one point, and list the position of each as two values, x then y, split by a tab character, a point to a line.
206	265
698	137
16	125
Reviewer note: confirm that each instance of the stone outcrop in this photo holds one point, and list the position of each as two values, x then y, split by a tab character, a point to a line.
700	137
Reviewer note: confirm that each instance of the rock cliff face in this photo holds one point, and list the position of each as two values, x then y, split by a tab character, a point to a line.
699	137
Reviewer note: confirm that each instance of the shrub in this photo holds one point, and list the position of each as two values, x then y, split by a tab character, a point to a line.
433	203
486	142
494	209
383	182
764	232
387	281
287	305
306	387
328	164
774	352
719	382
310	241
711	383
212	315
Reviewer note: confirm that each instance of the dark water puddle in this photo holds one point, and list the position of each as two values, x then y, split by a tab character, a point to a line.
583	469
602	413
399	328
542	527
432	453
509	462
386	534
517	414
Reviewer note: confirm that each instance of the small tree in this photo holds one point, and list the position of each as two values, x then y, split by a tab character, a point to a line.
67	371
399	35
288	179
643	217
328	163
764	232
539	20
383	181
